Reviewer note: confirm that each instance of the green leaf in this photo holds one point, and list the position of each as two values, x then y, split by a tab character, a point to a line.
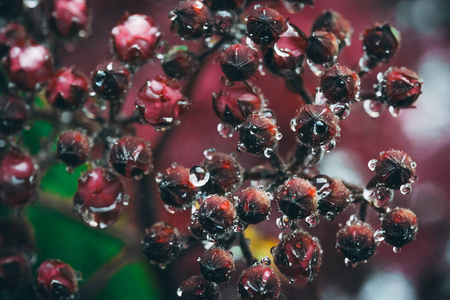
58	181
33	136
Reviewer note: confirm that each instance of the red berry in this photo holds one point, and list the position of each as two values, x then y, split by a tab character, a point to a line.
191	19
11	35
13	114
56	280
239	62
336	24
225	173
298	256
162	243
334	196
131	156
395	168
297	198
110	80
67	89
17	178
259	282
135	38
323	47
399	226
179	62
265	25
223	21
196	228
253	205
99	198
70	17
217	265
356	241
258	135
401	87
175	187
340	84
217	215
73	148
161	103
198	288
381	41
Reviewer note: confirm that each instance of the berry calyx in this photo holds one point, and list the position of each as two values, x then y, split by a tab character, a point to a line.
73	148
259	282
225	173
399	226
223	20
253	205
217	215
198	288
258	135
323	47
239	62
13	114
176	188
191	19
217	265
131	157
265	25
381	42
394	169
400	87
70	17
110	80
56	280
297	198
356	241
340	84
333	22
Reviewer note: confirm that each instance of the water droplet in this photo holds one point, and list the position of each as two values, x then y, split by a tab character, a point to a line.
126	200
372	164
179	292
31	3
293	124
279	136
170	209
394	111
283	222
330	146
396	249
69	169
378	196
341	110
373	108
159	177
209	153
225	130
330	216
198	176
269	152
266	261
406	188
313	220
378	236
241	148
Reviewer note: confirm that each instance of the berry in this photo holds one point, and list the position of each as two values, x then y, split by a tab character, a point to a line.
217	215
258	135
162	243
135	38
356	241
223	21
11	35
297	198
287	56
253	205
73	148
191	19
198	288
70	17
175	187
298	256
160	102
99	198
13	114
217	265
16	235
179	62
399	226
315	126
259	282
401	87
29	65
294	6
18	178
336	24
67	89
239	62
131	156
323	47
333	196
265	25
15	270
235	5
339	84
395	168
56	280
381	42
110	80
225	173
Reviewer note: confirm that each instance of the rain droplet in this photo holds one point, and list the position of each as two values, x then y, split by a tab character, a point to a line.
312	220
378	196
372	164
241	148
330	216
293	124
396	249
170	209
406	188
266	261
341	110
378	236
278	136
373	108
225	130
159	177
283	222
209	153
269	152
394	111
198	176
69	169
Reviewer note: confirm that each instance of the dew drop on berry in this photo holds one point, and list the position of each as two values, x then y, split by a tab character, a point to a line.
313	220
406	188
396	249
372	164
269	152
373	108
209	153
198	176
394	111
283	222
225	130
330	216
266	261
378	236
241	148
341	110
278	136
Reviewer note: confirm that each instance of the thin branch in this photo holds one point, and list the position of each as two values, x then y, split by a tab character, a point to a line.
248	255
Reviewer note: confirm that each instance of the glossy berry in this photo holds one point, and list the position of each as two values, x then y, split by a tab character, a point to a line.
131	156
11	35
160	102
395	168
356	241
333	196
13	114
223	20
29	65
294	6
381	42
315	125
18	178
198	288
225	173
67	89
179	62
323	47
239	62
258	135
235	5
287	56
253	205
70	17
339	84
73	148
217	215
135	38
56	280
196	228
217	265
401	87
162	243
191	19
175	187
399	226
110	80
297	198
333	22
259	282
265	25
99	198
15	270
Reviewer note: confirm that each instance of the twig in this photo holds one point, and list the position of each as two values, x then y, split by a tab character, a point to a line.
248	255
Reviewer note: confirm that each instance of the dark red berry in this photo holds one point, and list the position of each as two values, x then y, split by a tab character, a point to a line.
196	228
100	198
287	56
73	148
339	84
298	256
259	282
18	178
217	215
70	17
162	243
198	288
334	196
161	103
15	270
333	22
381	41
315	126
253	205
68	89
297	198
56	280
265	25
175	187
356	241
294	6
214	5
225	173
11	35
135	38
10	8
399	226
191	19
29	65
131	156
258	135
395	168
217	265
16	236
179	62
401	87
223	20
323	47
110	80
13	114
239	62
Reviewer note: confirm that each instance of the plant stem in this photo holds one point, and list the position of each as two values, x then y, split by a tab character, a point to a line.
363	211
248	255
296	85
